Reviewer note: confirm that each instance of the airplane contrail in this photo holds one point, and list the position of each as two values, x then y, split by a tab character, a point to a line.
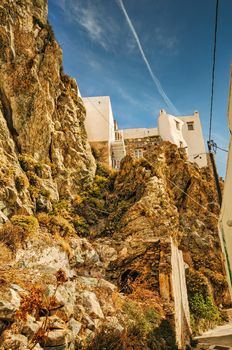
154	78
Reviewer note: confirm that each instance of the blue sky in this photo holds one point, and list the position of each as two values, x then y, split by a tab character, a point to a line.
100	51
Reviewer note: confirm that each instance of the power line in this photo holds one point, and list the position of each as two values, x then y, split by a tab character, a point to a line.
173	183
222	149
197	154
213	70
214	147
202	206
211	145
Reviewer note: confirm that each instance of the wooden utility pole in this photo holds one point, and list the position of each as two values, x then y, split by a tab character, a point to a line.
215	173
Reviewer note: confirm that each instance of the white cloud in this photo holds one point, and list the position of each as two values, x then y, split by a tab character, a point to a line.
165	41
89	19
94	64
95	19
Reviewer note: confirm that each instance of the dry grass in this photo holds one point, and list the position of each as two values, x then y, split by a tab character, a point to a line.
25	277
64	244
12	236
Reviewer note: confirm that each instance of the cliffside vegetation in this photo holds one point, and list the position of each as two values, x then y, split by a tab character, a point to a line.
86	252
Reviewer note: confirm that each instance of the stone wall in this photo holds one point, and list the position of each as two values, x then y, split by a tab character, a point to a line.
102	152
146	144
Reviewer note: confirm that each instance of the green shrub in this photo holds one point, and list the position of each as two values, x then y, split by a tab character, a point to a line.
34	191
197	283
100	186
45	193
39	169
107	338
141	321
101	180
102	170
95	191
60	225
5	175
203	307
33	179
204	312
163	337
28	223
21	183
144	330
216	278
62	208
44	219
27	163
81	226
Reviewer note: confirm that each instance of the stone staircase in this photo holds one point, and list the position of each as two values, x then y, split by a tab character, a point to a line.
118	150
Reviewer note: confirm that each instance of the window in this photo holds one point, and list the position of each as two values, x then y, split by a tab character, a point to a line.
138	153
177	125
190	125
115	163
118	135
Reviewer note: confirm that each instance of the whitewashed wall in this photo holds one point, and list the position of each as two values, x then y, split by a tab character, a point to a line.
194	139
99	122
168	130
225	222
139	133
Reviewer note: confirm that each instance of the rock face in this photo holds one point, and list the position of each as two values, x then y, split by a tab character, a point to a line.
41	115
93	260
154	199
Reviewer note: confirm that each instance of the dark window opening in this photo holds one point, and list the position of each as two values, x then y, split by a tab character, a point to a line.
190	125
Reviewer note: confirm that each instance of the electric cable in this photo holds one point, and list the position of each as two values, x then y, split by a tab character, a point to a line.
222	149
213	70
175	185
202	206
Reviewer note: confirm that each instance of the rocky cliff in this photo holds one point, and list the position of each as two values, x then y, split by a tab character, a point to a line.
89	257
41	115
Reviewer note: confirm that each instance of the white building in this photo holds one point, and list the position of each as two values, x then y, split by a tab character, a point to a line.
185	132
103	133
99	124
99	119
225	221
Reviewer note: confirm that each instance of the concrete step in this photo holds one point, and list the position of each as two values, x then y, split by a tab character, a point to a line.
220	336
204	346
